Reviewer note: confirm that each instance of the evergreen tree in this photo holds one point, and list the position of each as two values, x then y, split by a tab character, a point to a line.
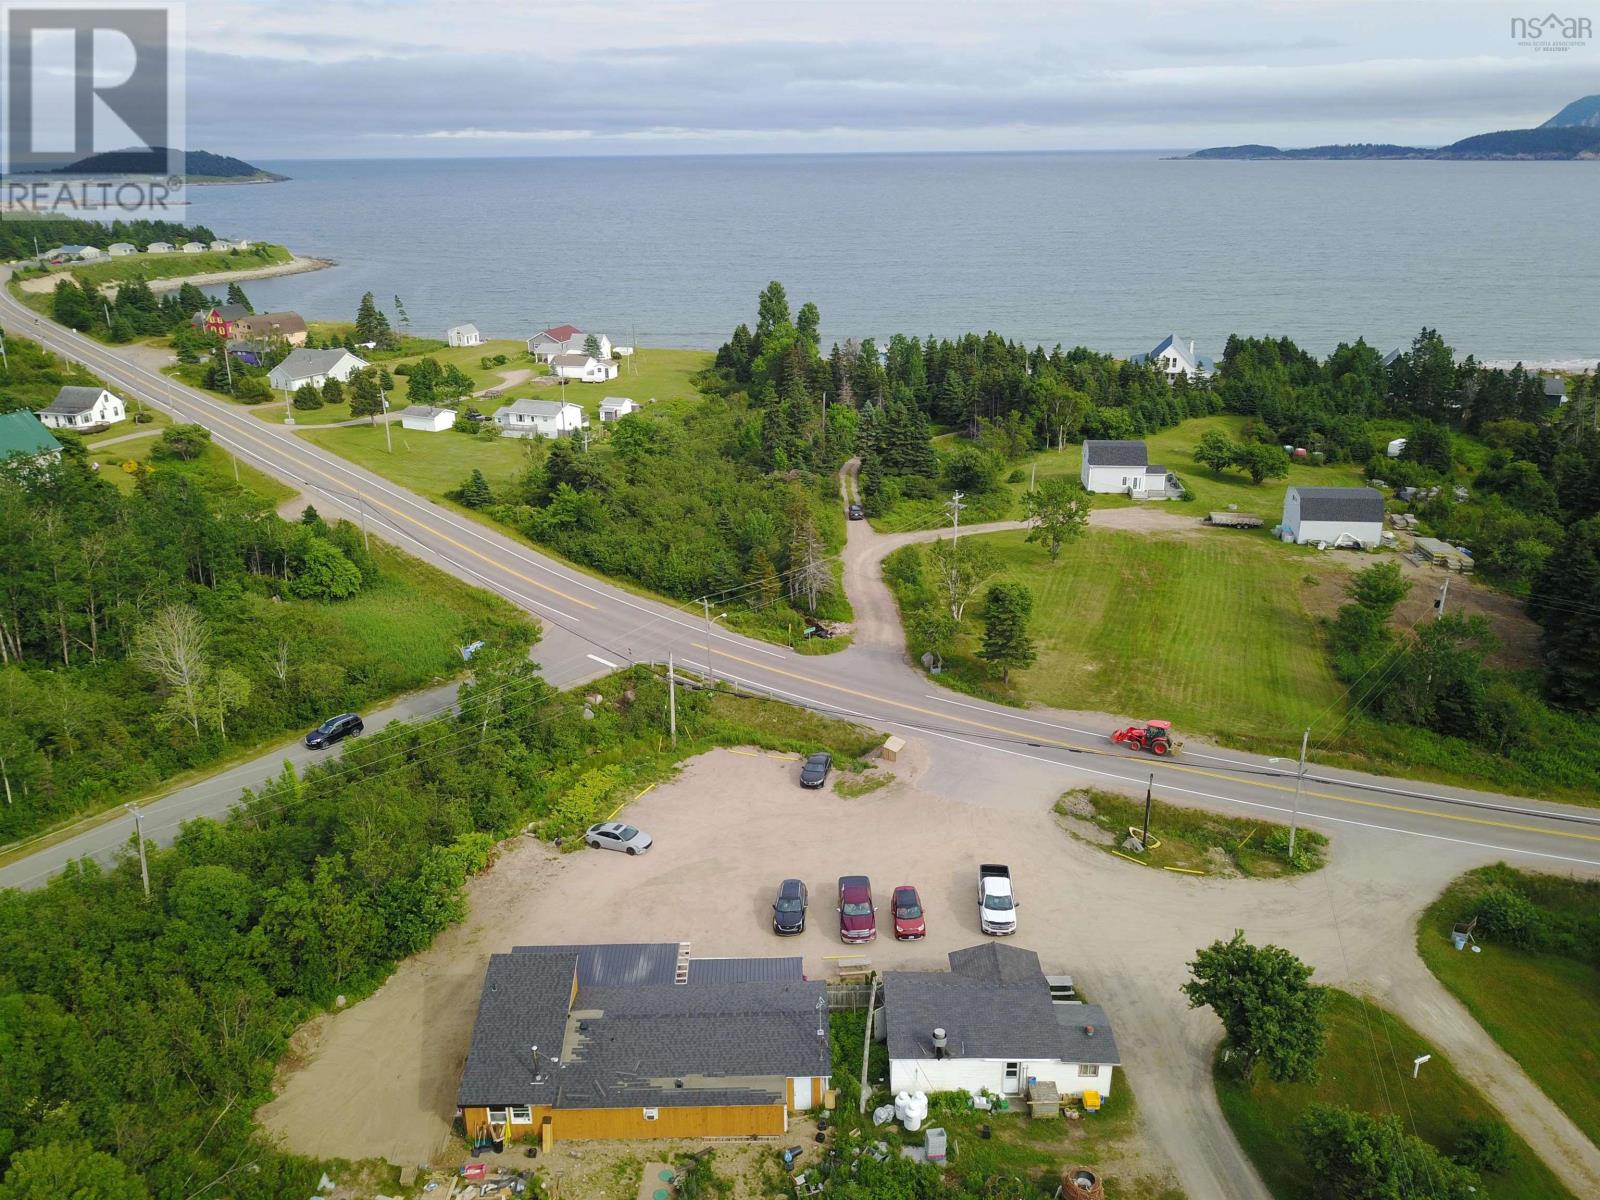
332	391
591	346
1006	641
1564	602
236	296
366	397
307	398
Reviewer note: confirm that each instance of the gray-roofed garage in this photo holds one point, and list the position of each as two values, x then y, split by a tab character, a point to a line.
632	1041
1337	516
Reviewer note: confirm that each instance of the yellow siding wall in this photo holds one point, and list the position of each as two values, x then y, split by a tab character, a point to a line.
621	1124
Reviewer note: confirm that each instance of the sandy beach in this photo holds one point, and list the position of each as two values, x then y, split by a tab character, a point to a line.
295	266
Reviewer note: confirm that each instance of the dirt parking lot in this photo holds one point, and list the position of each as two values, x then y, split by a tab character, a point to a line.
379	1079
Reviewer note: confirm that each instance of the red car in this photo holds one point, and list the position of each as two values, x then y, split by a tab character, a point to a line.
857	920
909	923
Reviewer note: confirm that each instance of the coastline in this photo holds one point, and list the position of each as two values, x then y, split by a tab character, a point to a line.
296	265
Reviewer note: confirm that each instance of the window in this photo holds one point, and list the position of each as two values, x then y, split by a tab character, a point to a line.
497	1116
521	1114
650	1114
1088	1070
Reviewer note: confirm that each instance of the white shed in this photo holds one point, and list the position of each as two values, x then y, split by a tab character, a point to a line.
614	408
159	248
1335	515
463	335
427	418
192	248
121	249
584	368
539	418
993	1023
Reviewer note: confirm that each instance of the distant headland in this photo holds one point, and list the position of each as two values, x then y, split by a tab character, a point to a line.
199	166
1573	133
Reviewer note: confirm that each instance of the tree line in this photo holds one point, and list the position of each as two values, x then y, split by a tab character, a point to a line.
18	238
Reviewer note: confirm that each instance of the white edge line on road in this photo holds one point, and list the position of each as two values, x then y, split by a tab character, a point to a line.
604	662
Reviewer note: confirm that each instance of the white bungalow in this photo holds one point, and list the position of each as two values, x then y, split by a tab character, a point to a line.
193	248
88	252
427	419
995	1022
315	367
221	244
583	367
159	248
565	339
539	418
614	408
82	408
463	335
1123	468
121	249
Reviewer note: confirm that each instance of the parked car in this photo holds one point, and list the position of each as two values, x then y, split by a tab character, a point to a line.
334	729
856	512
789	909
858	922
614	835
814	771
910	925
997	905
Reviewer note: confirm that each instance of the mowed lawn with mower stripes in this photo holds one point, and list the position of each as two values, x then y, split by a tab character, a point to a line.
1207	630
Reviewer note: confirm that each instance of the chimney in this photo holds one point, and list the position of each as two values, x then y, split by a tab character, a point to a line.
1088	1031
1191	348
939	1043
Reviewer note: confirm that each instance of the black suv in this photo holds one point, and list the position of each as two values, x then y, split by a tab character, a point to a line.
789	909
334	729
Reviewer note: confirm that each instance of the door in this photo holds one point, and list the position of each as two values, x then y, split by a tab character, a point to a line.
1012	1083
802	1093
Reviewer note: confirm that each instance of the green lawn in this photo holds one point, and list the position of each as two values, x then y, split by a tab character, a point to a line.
430	463
662	376
1367	1066
1543	1008
215	463
1205	631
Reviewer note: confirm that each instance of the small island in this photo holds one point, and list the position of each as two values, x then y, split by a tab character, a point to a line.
199	166
1573	133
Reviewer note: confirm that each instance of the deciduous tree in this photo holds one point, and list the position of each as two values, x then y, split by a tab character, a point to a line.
1058	511
1270	1010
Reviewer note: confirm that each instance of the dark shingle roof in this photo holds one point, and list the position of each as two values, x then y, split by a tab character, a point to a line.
74	400
1078	1044
1115	454
639	1040
745	970
1340	504
1555	386
996	962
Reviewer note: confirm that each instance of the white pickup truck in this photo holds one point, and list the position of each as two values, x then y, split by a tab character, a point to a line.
997	906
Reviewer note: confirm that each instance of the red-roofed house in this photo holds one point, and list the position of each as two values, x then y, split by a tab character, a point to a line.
565	339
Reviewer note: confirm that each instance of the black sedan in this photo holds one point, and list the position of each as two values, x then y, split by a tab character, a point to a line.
814	771
334	729
789	909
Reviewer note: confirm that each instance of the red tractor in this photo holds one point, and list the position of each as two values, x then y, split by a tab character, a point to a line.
1154	736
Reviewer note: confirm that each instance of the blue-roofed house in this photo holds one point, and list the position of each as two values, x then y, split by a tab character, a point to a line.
1174	357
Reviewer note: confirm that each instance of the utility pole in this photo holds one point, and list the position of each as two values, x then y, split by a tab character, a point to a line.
955	506
1444	594
672	700
711	674
235	458
1299	781
1149	792
138	828
388	434
1033	478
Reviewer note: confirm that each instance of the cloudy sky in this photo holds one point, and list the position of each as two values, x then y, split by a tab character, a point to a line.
407	78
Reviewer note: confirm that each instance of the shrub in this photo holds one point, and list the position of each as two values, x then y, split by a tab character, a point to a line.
584	803
1484	1146
1507	913
182	442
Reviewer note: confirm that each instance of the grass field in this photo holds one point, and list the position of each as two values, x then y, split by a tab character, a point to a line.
215	463
430	463
1159	626
1189	840
1367	1066
1543	1008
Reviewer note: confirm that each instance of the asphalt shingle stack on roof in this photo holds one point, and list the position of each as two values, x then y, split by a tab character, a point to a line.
1340	504
632	1037
1115	454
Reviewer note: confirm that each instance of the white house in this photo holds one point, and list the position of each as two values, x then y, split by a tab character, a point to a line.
427	418
583	367
565	339
1396	448
82	408
159	248
242	244
994	1023
89	252
192	248
539	418
121	249
463	335
614	408
1124	468
1338	516
221	244
315	367
1173	357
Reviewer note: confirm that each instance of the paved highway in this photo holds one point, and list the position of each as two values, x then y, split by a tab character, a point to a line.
592	627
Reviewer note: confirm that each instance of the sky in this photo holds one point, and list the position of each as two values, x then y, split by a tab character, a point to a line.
414	78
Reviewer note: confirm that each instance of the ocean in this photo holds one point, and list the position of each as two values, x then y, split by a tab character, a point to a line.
1108	250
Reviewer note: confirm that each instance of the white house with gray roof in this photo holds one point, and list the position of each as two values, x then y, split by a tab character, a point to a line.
539	418
121	249
427	418
315	367
1334	515
614	408
1173	357
584	368
463	335
1124	468
994	1022
82	408
642	1041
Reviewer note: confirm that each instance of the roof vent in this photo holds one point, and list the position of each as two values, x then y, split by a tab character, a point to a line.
677	1083
940	1042
1088	1031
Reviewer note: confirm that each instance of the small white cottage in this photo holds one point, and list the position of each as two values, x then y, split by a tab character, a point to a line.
82	408
583	368
463	335
1123	468
1335	515
614	408
539	418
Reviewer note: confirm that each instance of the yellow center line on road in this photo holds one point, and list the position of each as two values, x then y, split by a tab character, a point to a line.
1162	763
